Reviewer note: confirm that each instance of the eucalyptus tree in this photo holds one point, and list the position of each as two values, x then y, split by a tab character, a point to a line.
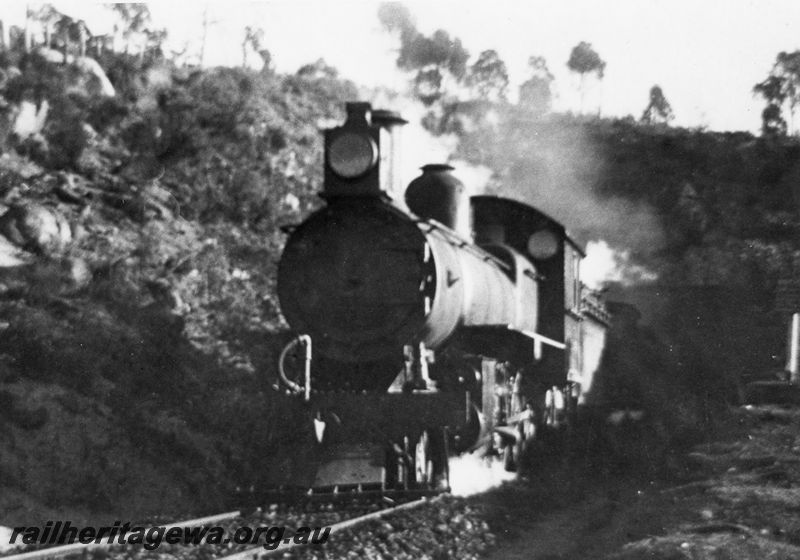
535	93
658	110
439	61
781	89
584	60
488	76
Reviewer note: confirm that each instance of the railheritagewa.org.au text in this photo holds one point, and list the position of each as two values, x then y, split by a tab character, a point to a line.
63	532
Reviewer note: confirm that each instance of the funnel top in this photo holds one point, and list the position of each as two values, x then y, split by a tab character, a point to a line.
437	167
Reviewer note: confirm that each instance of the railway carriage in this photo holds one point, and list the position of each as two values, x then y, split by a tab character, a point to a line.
429	323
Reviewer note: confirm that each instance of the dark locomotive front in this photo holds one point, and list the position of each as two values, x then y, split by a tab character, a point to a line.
436	322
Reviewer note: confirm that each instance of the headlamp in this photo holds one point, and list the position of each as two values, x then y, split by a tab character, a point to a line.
351	155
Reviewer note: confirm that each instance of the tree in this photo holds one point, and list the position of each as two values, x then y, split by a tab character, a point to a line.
48	17
70	32
135	29
28	17
772	123
658	110
428	85
254	39
154	41
436	59
318	70
81	31
584	60
204	36
781	88
488	76
5	37
535	94
135	20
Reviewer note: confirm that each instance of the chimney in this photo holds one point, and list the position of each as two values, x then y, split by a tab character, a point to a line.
391	126
439	195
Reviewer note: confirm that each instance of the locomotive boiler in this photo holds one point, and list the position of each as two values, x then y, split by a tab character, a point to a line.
439	323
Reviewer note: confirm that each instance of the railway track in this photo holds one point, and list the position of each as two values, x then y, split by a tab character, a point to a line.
336	510
257	552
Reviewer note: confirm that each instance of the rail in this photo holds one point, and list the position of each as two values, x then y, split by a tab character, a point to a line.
252	553
258	552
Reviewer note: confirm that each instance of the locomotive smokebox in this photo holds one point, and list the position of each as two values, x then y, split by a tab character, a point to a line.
438	195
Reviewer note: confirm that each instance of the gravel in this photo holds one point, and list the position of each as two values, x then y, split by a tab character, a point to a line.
446	527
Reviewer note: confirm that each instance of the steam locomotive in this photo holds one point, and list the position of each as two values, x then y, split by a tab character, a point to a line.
430	324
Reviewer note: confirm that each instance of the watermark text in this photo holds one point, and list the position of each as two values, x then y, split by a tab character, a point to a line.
63	532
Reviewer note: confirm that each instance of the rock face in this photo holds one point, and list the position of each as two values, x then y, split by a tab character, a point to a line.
91	78
96	80
30	119
11	255
37	236
75	274
36	228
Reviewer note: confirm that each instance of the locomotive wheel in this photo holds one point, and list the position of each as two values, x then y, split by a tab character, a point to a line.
423	460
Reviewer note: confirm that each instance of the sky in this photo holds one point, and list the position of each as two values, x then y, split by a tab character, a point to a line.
705	55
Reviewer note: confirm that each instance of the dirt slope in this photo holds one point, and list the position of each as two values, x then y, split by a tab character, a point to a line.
735	497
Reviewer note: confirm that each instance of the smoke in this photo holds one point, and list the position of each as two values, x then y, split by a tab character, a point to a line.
440	62
555	165
419	147
418	51
471	474
475	177
604	264
395	16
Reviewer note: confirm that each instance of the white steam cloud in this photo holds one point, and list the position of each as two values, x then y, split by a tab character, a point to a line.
556	168
474	177
604	264
471	474
419	147
556	165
